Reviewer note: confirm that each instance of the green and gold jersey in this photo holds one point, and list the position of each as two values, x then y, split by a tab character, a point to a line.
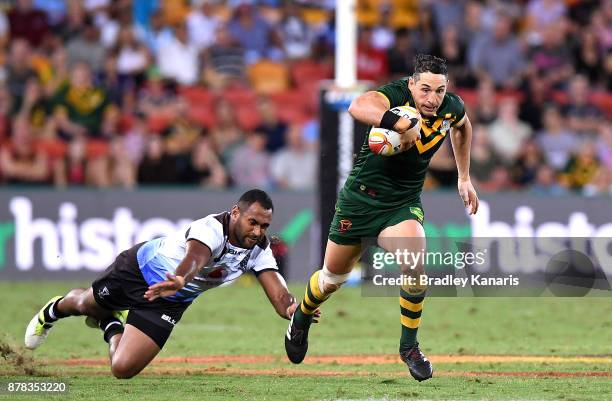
393	181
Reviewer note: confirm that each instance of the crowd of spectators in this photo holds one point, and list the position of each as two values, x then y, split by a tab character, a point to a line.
220	93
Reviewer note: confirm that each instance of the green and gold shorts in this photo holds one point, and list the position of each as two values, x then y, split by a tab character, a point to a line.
355	220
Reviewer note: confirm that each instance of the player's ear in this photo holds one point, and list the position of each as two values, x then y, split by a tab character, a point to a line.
235	212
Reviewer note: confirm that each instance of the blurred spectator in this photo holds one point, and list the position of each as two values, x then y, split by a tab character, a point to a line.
180	138
202	24
454	52
500	180
499	55
205	168
372	63
295	166
483	159
525	168
555	139
604	146
28	23
254	34
72	168
507	132
58	73
537	95
115	85
122	169
546	183
587	56
20	162
156	34
226	135
540	16
86	47
223	61
18	71
601	23
250	162
273	128
4	29
447	13
485	111
55	10
581	168
425	36
600	185
552	58
132	56
442	167
34	106
79	107
74	22
296	35
155	100
401	55
135	138
178	59
383	36
607	71
157	167
133	47
472	26
584	117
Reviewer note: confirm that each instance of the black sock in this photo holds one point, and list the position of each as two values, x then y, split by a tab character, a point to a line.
111	326
51	313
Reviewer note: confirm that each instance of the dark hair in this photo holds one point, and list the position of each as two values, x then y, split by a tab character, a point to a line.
255	195
429	63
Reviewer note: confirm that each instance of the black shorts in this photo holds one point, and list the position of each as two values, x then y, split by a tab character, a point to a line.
122	287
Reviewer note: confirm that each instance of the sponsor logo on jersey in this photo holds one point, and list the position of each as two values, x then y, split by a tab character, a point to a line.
345	225
103	292
417	212
445	126
168	319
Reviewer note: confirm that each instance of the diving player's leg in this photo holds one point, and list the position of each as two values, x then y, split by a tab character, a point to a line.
146	332
130	352
338	263
409	236
76	302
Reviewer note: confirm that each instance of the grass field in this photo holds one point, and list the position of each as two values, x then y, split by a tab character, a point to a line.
229	346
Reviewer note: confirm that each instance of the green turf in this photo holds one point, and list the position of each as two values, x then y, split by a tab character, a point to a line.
232	388
239	320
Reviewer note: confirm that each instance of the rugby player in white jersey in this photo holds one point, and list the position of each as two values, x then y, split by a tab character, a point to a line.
157	280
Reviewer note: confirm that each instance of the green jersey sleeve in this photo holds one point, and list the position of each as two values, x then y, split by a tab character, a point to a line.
396	91
458	108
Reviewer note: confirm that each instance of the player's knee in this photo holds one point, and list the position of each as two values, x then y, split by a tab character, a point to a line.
82	305
330	282
122	369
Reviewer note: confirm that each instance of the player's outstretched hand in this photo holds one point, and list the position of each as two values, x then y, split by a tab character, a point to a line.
165	288
291	310
468	195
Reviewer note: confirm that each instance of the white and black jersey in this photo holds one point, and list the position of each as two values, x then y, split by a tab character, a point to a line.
227	262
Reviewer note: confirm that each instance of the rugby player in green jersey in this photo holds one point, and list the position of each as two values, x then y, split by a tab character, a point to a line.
381	198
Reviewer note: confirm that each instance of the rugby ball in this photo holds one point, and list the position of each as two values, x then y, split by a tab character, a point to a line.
386	142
